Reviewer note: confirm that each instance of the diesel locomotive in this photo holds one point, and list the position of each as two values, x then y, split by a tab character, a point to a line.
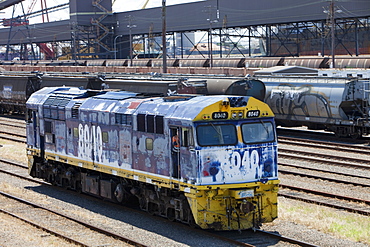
207	161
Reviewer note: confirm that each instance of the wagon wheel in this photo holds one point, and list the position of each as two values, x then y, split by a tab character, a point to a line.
357	134
338	134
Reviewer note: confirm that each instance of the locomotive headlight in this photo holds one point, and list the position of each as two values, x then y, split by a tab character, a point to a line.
225	102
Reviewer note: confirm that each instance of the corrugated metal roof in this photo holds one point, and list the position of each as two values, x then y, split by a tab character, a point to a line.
292	70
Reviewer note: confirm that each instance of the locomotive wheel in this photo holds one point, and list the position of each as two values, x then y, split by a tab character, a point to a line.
357	134
171	214
152	208
78	186
65	183
337	134
142	203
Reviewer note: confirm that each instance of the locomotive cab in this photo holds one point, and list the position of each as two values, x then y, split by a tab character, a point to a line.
236	157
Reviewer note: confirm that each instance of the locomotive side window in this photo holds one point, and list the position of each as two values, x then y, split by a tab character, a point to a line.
216	135
149	143
75	132
159	126
105	137
187	137
48	127
258	132
29	116
141	122
150	123
49	136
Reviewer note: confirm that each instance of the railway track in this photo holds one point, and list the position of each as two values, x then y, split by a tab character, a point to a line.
11	136
54	215
297	155
292	195
296	158
350	204
293	153
315	171
16	124
349	177
12	129
66	221
321	157
345	147
244	238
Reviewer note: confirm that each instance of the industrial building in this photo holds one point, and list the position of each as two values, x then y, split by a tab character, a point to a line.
205	29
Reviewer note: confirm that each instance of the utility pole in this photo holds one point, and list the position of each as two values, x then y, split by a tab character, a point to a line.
331	12
164	45
210	42
130	26
332	20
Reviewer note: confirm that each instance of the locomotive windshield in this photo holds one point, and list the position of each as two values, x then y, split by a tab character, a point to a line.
258	132
216	135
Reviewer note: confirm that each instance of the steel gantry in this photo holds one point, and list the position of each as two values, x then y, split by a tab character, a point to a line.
207	29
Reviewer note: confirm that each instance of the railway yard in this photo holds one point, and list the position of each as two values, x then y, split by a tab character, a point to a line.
234	124
324	200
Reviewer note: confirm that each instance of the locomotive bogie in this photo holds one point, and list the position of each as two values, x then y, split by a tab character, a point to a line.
209	161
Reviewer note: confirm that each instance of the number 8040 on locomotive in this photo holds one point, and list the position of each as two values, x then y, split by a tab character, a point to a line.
209	161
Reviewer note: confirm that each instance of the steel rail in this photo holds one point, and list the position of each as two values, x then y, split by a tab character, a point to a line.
324	145
325	194
298	155
13	134
14	163
73	241
327	156
12	125
287	239
322	170
324	203
323	178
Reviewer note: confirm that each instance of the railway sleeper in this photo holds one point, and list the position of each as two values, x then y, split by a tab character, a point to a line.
155	200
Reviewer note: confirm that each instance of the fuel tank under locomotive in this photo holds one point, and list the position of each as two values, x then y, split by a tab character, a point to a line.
340	105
